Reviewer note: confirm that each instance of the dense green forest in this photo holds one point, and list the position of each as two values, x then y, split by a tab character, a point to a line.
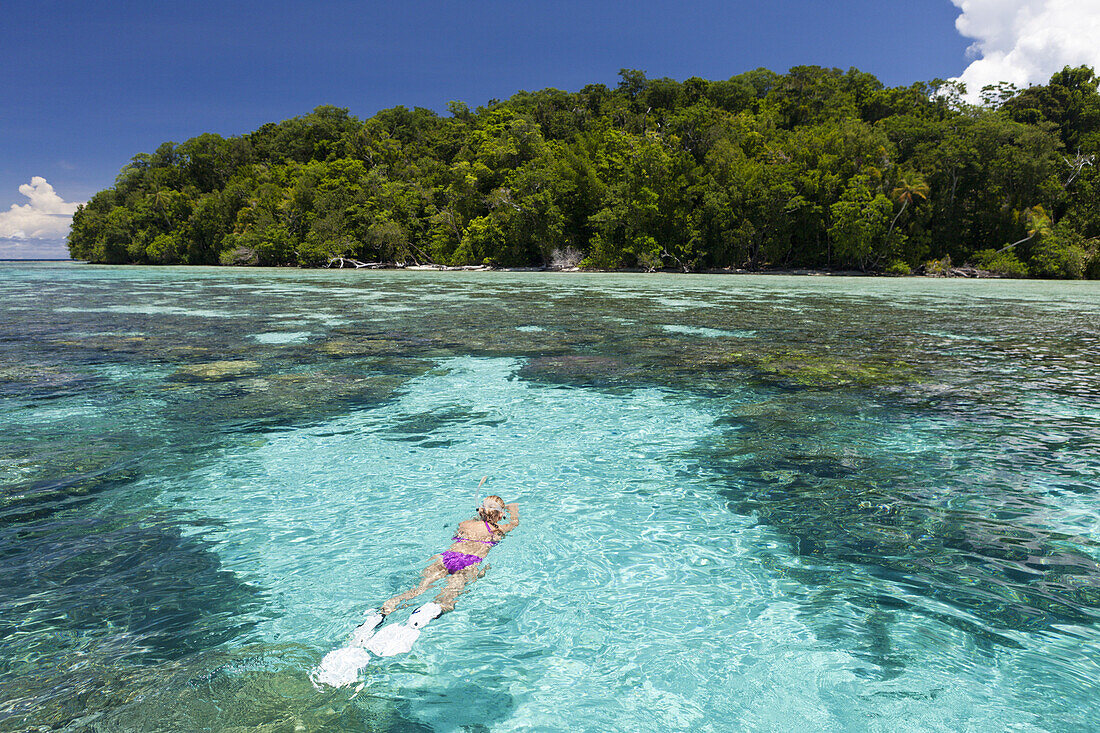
812	168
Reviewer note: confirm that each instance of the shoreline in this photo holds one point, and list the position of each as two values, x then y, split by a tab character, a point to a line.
954	272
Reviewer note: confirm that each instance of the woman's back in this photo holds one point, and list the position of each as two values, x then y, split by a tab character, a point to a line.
477	529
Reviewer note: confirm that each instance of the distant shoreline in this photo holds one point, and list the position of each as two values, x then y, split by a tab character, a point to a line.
957	272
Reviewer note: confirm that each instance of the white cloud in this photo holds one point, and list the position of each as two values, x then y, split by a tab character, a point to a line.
33	249
1025	41
47	216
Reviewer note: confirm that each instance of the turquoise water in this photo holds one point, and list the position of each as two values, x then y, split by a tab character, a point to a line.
748	503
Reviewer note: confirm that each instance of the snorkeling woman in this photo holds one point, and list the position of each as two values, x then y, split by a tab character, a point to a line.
461	563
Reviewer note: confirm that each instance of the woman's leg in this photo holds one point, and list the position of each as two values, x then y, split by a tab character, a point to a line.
430	575
456	585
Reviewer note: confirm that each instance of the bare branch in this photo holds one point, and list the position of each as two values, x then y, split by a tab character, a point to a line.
1076	165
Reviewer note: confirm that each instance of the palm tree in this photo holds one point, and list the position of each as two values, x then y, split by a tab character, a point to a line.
1038	223
158	202
910	187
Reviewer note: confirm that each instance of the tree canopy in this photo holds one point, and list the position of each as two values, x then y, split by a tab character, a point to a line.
813	168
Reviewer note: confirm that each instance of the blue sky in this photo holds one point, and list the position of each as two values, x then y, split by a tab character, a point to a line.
88	85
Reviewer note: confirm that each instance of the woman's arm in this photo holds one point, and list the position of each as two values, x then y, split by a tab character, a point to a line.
513	516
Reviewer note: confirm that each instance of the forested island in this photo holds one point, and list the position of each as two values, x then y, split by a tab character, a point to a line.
815	168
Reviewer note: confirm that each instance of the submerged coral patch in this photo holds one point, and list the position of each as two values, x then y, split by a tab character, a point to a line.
217	371
793	367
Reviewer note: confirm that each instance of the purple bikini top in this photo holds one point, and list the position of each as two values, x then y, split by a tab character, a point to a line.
490	543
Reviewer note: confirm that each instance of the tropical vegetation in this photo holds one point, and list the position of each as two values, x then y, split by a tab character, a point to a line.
815	168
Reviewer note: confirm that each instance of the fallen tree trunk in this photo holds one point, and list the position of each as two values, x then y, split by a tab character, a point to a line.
341	262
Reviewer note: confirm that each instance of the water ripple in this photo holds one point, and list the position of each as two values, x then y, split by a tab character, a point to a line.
749	503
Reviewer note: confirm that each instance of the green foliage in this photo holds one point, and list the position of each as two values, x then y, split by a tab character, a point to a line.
1063	253
1000	262
165	249
817	167
860	220
940	267
482	238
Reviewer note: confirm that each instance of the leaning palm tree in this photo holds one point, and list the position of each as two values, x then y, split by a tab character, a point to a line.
910	187
1038	224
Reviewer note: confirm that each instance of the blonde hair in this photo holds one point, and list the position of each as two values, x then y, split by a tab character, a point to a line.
491	514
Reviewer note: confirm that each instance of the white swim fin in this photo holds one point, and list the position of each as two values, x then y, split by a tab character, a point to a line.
364	631
421	616
340	667
399	638
393	639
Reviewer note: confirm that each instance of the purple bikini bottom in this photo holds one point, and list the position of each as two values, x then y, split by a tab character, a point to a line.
455	561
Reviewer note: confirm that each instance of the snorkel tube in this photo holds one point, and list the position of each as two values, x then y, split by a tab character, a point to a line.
479	499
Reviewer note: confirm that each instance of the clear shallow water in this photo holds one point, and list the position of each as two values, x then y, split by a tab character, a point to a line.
748	502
